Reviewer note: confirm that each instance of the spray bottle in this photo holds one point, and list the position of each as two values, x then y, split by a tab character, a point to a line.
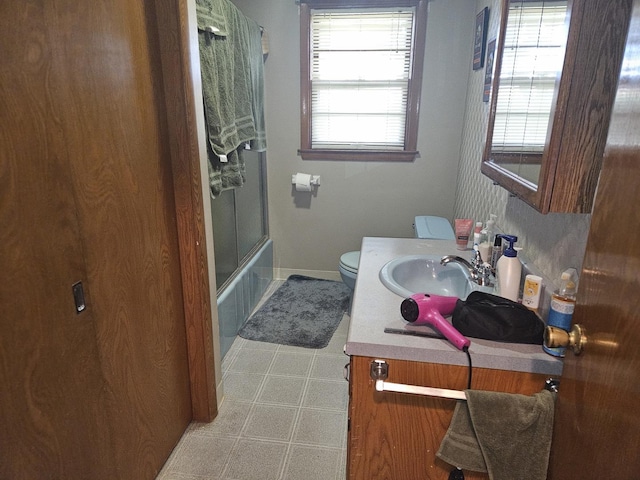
508	271
563	302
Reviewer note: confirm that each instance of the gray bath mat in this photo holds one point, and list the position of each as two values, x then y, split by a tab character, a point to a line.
303	312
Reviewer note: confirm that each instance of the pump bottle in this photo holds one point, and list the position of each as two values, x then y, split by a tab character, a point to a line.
508	271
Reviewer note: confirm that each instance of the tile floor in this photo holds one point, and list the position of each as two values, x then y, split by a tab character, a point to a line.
284	416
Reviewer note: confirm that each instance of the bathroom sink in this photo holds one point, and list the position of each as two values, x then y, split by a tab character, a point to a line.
411	274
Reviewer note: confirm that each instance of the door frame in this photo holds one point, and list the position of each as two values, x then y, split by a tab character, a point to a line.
176	25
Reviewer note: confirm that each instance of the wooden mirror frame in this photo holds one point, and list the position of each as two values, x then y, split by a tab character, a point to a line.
581	109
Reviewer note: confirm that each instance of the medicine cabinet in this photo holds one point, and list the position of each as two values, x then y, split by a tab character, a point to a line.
556	67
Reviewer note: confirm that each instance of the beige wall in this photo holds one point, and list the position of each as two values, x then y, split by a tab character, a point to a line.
359	199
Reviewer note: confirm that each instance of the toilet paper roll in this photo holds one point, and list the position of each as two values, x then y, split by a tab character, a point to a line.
303	182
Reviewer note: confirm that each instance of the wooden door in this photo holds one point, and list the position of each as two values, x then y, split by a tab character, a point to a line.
86	194
49	362
597	425
108	66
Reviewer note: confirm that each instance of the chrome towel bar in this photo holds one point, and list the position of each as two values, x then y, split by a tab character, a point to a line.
382	386
379	371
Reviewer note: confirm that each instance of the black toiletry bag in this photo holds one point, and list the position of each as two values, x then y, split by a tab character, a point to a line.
490	317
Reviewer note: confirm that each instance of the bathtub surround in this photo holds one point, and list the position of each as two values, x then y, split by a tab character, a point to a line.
242	295
303	312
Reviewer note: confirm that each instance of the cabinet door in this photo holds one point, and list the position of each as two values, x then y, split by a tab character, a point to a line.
396	436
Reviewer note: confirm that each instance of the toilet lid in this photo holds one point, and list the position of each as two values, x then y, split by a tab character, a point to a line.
349	261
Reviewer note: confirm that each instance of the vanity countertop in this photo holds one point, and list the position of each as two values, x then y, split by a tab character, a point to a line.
376	308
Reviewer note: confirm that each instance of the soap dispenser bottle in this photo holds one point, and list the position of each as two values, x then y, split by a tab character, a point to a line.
508	271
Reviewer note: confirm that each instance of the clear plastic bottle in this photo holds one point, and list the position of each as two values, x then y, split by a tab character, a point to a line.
477	235
563	303
486	238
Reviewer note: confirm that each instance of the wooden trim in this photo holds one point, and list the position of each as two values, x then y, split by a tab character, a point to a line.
511	182
415	83
521	158
359	3
305	77
358	155
586	93
174	38
495	85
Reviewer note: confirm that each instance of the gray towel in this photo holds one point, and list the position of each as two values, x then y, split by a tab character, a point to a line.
233	85
226	175
506	435
226	78
211	17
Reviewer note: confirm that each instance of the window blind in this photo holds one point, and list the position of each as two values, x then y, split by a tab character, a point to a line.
532	57
360	75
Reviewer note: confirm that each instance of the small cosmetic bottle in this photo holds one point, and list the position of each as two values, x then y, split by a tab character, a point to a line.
531	292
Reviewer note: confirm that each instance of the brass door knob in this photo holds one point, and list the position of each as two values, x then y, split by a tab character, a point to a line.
576	339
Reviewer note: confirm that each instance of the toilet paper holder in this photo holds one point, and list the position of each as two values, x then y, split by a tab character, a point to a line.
314	181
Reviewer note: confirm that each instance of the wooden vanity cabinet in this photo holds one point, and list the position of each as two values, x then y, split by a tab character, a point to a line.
395	436
569	167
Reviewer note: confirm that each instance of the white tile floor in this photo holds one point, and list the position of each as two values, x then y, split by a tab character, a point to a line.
284	416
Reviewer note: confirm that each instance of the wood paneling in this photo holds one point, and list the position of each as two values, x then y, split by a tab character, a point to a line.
396	436
115	121
87	193
49	357
597	427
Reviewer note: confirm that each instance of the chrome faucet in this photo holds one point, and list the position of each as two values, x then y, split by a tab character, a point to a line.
479	271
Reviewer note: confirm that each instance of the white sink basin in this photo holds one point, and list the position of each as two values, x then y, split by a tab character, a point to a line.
411	274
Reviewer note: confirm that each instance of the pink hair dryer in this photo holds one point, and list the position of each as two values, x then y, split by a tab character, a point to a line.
427	309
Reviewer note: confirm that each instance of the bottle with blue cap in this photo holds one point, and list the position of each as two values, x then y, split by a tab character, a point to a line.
563	303
508	271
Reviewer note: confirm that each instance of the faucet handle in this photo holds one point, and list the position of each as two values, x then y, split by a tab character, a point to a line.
484	272
476	259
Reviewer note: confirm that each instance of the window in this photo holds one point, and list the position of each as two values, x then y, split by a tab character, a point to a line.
361	73
532	57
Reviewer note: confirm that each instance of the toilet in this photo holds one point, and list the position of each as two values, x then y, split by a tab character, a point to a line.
426	226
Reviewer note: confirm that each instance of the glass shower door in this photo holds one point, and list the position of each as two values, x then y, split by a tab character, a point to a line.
240	220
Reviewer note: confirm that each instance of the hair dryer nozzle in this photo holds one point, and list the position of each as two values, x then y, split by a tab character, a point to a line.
426	309
409	309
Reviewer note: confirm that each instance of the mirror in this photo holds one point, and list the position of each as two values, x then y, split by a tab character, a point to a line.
551	99
533	40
